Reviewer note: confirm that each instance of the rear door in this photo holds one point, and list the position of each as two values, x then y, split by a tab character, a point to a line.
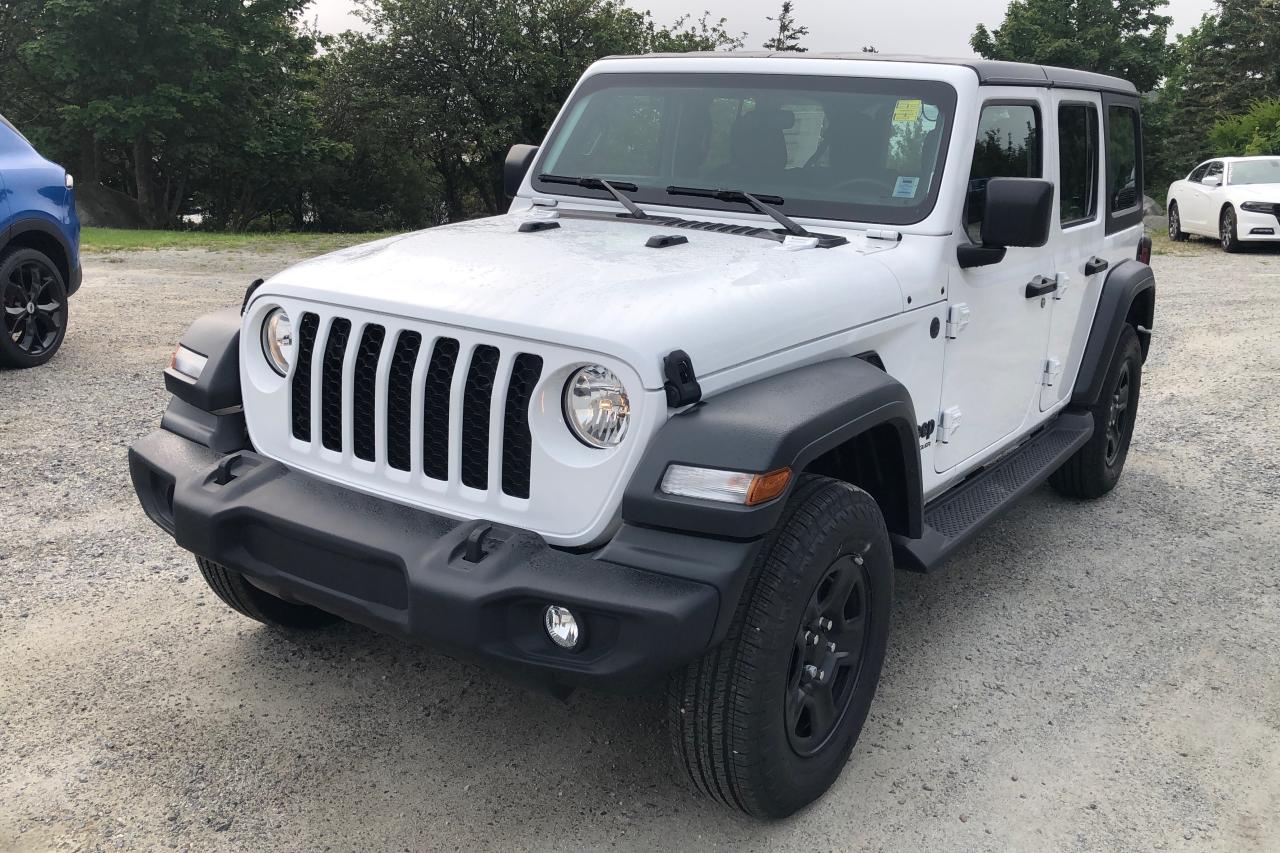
1079	232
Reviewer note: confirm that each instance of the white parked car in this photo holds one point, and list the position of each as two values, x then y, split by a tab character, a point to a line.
1233	199
755	331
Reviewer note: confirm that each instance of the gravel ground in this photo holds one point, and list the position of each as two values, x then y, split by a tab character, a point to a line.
1083	677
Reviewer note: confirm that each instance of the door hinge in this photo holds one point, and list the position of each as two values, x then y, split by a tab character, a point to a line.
948	423
1063	281
957	319
1052	372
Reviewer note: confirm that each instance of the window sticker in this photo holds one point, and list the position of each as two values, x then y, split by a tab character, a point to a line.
908	110
906	187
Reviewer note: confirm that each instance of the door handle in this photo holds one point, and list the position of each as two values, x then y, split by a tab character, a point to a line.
1041	286
1096	265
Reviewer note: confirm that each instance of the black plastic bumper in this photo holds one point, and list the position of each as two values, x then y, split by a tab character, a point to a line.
472	587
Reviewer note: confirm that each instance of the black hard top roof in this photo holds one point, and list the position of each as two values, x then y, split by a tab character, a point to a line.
990	72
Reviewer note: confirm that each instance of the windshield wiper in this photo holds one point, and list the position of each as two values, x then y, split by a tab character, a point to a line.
614	188
761	203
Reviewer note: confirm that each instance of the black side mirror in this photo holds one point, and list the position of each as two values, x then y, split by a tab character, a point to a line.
519	159
1016	212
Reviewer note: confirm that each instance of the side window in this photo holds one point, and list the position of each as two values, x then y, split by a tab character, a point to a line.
1198	174
1214	171
1008	146
1122	159
1078	163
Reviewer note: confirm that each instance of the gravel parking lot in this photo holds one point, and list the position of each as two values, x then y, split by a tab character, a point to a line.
1083	677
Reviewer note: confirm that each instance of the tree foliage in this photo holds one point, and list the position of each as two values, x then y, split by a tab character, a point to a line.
1253	133
1125	38
787	39
235	110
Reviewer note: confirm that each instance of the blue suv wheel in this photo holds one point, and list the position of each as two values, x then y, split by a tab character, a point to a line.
39	251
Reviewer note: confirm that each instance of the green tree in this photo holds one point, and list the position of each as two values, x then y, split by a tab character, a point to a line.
1125	38
156	96
1256	132
1219	69
787	39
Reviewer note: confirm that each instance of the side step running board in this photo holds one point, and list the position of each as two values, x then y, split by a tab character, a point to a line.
955	517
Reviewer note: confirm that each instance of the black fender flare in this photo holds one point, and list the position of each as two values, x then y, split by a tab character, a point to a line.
784	421
70	263
1128	295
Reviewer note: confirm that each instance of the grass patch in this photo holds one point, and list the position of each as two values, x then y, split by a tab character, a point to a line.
1162	245
124	239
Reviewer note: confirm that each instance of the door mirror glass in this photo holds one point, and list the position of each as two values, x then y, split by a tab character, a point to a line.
519	159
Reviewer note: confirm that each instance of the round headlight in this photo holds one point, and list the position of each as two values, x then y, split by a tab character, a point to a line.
277	340
596	407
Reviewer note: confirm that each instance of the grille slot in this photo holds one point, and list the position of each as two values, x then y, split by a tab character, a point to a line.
435	405
300	393
335	352
364	401
517	443
400	401
476	402
414	399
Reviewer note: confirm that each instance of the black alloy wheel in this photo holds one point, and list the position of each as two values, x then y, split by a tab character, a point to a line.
827	659
35	308
1118	427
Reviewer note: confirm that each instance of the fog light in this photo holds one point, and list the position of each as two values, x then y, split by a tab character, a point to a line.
562	627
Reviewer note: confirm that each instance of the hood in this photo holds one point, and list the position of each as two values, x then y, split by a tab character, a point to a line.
594	285
1255	192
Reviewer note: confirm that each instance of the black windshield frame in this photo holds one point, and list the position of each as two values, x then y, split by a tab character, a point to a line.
938	92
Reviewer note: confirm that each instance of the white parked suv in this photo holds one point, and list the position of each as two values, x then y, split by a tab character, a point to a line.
1234	199
756	330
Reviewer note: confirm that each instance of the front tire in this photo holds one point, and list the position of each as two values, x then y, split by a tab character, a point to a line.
1095	468
247	600
34	298
766	722
1176	234
1227	230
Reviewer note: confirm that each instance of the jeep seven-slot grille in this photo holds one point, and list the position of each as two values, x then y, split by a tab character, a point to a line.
393	393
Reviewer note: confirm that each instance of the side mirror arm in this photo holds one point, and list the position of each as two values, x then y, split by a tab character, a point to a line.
972	255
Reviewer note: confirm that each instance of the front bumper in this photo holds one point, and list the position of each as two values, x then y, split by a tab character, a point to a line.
472	587
1253	226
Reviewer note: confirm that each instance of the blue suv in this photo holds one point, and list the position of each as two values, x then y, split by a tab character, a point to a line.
39	251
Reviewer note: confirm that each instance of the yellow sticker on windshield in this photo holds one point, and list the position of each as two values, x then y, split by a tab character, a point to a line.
907	110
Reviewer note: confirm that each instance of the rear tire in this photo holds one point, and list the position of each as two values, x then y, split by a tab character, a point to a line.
247	600
34	300
1176	234
1095	468
765	722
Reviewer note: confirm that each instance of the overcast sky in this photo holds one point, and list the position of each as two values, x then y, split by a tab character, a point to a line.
938	27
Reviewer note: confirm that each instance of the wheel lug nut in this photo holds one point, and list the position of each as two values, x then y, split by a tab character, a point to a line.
811	639
824	624
811	672
831	647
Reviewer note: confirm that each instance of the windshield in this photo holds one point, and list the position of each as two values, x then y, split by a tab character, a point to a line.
849	148
1256	172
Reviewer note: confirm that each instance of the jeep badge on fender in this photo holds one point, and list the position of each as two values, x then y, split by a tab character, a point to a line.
678	415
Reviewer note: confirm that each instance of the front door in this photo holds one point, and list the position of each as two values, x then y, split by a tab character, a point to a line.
997	337
1078	232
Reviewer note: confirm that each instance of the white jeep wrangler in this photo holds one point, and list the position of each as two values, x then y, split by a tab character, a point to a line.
756	330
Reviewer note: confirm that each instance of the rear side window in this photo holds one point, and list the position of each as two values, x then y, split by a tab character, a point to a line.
1123	159
1078	163
1008	146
